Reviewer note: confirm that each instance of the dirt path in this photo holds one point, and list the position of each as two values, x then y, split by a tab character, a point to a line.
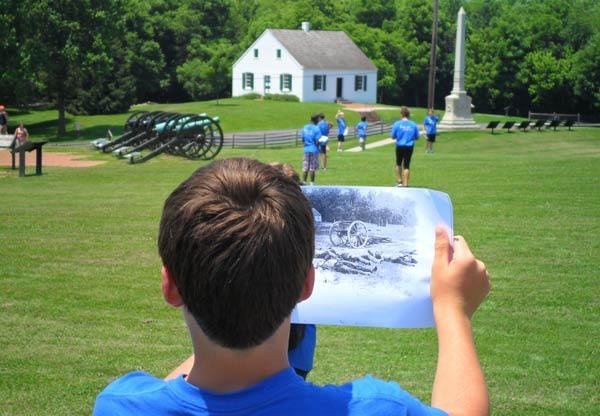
66	160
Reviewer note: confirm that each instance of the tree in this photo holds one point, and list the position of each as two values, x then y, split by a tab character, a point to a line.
208	74
59	47
547	78
9	55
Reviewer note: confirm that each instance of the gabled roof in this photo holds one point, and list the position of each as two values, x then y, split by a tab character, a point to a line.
322	49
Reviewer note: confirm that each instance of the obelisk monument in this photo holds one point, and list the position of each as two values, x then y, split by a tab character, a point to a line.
458	103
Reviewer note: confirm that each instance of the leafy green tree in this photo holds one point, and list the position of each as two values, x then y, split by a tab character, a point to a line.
413	25
59	46
374	13
586	75
143	52
9	56
208	74
105	92
546	77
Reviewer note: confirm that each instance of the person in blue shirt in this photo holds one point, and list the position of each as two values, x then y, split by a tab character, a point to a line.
342	128
301	349
404	132
236	241
361	132
310	138
303	337
430	126
324	126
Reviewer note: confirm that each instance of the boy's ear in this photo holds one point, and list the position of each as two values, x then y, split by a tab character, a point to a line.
309	284
169	289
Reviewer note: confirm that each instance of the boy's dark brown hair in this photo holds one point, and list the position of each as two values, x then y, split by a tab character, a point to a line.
238	238
404	112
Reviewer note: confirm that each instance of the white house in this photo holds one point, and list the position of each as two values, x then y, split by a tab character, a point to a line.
314	65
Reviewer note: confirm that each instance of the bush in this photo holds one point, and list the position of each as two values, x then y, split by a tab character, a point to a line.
251	96
282	97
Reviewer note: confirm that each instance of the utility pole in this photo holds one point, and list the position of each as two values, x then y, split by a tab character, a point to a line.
432	57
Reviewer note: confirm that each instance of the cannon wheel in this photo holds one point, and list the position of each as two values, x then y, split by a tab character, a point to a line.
202	138
338	235
132	120
358	235
214	141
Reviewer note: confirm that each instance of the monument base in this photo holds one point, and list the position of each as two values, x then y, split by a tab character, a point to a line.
458	113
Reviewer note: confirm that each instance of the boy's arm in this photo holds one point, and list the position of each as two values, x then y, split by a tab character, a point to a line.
459	284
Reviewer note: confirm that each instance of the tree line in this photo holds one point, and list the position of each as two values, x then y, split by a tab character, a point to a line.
102	56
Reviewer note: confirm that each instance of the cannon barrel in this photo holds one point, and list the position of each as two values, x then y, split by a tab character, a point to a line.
146	127
137	124
193	136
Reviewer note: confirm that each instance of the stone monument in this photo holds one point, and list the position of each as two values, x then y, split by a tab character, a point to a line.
458	103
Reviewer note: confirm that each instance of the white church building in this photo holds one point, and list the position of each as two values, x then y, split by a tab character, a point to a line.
314	65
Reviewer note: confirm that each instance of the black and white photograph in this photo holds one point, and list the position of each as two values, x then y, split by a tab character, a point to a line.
373	255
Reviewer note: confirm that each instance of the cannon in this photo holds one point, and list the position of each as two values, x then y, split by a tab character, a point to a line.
190	136
148	134
145	127
349	233
129	130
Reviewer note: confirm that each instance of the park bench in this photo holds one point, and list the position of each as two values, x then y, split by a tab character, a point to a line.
538	124
523	125
569	124
492	125
554	124
508	125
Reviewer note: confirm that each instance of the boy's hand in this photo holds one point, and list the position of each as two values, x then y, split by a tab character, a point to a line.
459	281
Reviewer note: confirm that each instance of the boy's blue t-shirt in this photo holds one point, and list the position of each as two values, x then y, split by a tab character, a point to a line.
430	123
361	129
341	122
405	132
310	137
323	127
284	393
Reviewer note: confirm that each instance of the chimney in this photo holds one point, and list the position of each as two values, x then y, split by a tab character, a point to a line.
305	26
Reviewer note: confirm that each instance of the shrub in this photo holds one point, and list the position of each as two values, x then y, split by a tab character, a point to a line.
251	96
282	97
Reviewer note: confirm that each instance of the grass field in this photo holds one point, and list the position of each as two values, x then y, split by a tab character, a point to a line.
81	303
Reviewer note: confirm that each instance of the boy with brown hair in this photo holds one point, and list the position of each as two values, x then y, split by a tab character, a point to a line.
237	242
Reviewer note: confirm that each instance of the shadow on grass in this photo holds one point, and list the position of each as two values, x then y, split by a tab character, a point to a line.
17	112
47	129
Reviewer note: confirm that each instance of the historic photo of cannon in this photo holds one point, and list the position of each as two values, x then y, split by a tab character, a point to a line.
373	254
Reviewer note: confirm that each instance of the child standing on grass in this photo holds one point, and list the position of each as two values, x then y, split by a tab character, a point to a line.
361	132
404	132
342	127
324	126
21	134
430	126
237	240
310	138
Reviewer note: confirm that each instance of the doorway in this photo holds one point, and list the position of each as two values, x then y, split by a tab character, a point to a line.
339	88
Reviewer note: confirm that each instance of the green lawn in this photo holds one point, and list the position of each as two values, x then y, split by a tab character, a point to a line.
79	270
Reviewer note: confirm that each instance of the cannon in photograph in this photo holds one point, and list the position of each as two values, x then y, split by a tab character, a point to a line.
348	233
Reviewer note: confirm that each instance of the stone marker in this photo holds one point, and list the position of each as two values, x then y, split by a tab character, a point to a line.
458	103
